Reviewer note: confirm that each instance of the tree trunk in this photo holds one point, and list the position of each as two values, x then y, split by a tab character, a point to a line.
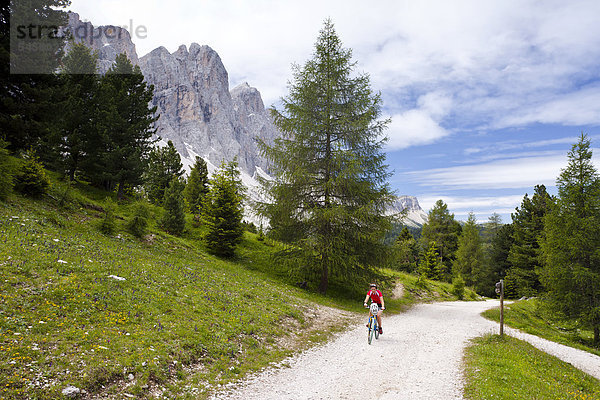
596	335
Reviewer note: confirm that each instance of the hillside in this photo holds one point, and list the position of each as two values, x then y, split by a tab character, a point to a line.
115	314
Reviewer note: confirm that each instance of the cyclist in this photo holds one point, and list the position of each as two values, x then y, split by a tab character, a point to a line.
376	297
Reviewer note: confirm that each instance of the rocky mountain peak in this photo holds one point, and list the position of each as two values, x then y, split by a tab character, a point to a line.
108	40
247	99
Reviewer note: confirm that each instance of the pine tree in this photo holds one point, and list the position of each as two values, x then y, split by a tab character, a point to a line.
524	256
80	112
469	255
173	220
442	228
330	189
571	246
126	129
224	210
164	163
197	186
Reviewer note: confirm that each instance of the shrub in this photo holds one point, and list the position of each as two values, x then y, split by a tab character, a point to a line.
32	179
138	224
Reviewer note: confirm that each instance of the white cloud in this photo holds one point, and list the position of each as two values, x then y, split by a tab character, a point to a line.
413	127
500	174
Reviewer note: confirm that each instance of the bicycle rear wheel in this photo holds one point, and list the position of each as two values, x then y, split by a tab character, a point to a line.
376	329
371	329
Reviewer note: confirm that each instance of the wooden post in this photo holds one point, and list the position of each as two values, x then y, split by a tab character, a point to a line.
501	307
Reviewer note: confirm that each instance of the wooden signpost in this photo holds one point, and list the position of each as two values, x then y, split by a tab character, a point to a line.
500	290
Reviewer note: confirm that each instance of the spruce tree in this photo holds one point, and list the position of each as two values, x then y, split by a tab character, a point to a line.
164	163
442	228
524	257
329	191
197	186
571	246
173	220
469	260
126	129
224	210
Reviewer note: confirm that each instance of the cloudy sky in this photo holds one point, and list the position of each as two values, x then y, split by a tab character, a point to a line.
486	97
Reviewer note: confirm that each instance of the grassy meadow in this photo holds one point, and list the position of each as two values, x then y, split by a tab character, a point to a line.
119	316
506	368
533	317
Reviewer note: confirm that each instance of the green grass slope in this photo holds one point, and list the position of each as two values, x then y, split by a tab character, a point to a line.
532	317
510	369
116	315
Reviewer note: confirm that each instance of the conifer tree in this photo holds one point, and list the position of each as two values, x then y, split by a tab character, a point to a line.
330	189
224	210
406	251
430	265
31	178
126	129
469	260
571	246
524	256
164	163
442	228
173	220
28	106
80	112
197	186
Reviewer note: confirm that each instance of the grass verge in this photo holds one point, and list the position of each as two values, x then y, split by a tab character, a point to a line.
507	368
533	317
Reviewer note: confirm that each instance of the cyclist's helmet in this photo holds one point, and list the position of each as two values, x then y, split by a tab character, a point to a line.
373	285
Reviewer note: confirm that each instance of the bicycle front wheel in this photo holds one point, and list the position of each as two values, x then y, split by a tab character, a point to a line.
371	328
376	329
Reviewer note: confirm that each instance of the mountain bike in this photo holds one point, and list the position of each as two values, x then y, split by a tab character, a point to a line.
373	325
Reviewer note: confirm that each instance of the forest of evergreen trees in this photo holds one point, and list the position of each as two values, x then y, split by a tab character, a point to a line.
99	129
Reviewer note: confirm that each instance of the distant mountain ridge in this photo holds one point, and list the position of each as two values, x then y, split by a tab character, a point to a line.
198	112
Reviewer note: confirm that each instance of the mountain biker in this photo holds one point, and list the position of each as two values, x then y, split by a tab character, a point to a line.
376	297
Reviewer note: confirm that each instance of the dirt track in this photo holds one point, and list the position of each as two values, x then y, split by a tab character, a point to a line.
418	357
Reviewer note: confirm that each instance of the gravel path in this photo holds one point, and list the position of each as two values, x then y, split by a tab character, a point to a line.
418	357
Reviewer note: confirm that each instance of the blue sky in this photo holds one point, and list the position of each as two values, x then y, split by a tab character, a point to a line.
486	97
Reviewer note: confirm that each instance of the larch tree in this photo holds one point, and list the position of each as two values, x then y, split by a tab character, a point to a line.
571	246
330	191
